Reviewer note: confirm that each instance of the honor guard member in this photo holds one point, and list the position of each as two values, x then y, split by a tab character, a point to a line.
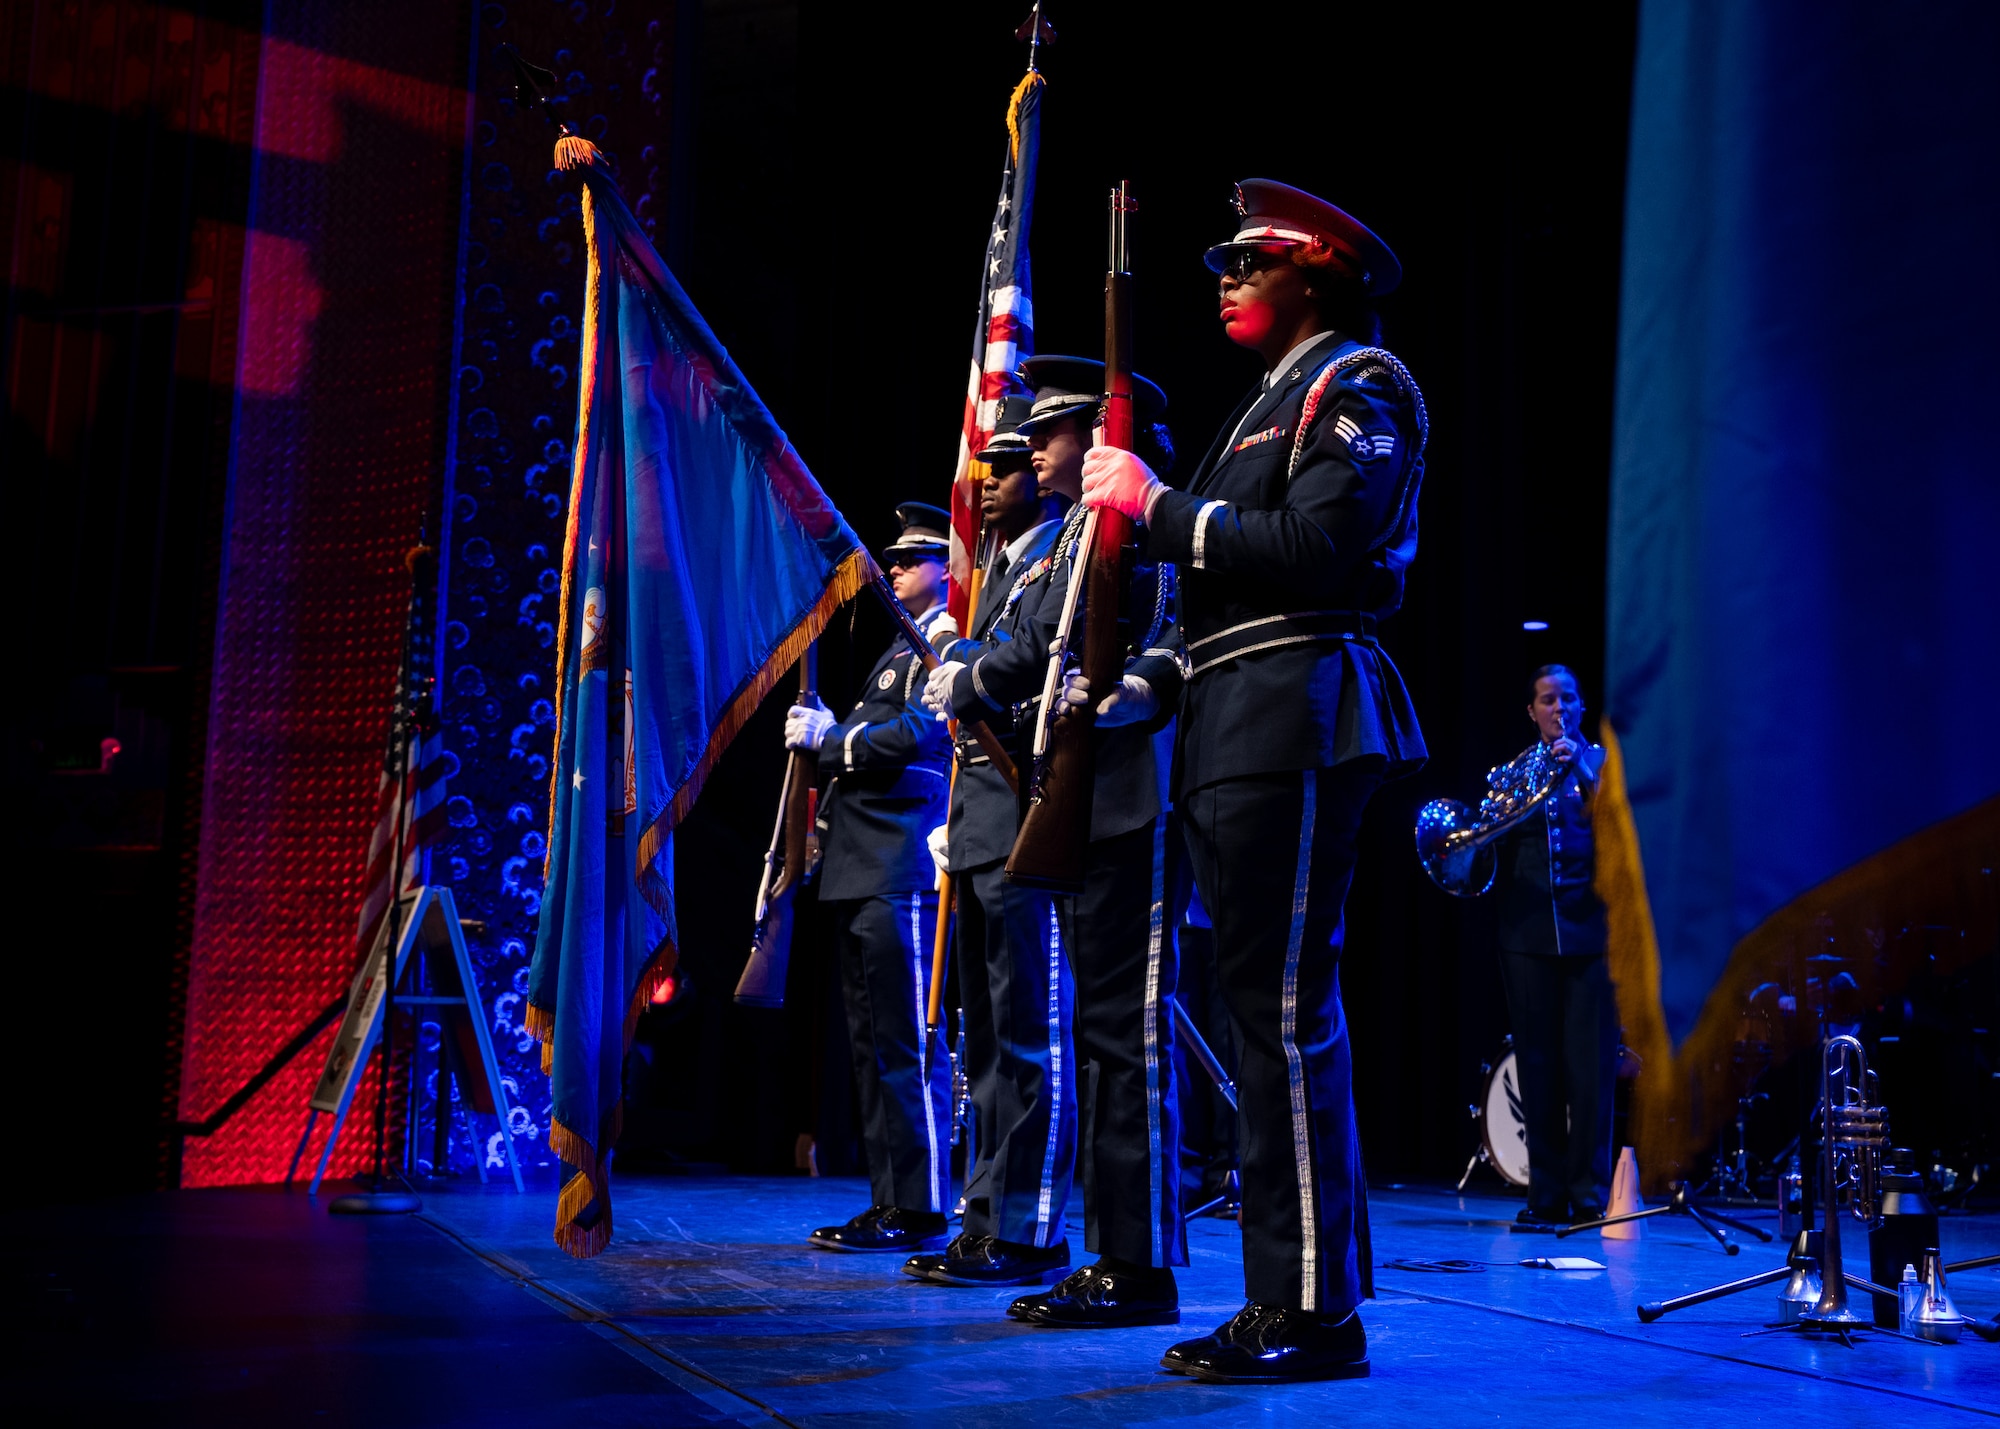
1120	928
1552	963
1013	981
1292	540
886	770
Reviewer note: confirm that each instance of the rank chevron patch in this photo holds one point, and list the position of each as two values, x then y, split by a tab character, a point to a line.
1363	444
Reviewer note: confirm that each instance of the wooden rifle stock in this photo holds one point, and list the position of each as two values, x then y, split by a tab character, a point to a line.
785	866
1053	844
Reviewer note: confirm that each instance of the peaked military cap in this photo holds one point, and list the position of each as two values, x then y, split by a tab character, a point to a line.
1067	386
926	534
1276	217
1007	439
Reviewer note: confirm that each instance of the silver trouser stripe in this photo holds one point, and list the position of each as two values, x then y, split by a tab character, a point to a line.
924	1041
847	747
1045	1206
1288	1030
1151	1018
1200	561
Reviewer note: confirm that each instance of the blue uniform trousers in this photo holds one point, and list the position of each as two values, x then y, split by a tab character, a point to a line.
1565	1020
1273	855
1123	956
1021	1062
903	1076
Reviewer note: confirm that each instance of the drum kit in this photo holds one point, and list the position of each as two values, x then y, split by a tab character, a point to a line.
1503	1130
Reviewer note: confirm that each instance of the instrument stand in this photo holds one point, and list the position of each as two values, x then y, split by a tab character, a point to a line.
1479	1156
1801	1268
1683	1204
1228	1206
1730	1181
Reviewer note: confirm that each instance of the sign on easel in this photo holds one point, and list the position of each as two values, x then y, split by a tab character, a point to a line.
429	922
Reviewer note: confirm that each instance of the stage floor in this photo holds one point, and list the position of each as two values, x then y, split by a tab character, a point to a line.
256	1307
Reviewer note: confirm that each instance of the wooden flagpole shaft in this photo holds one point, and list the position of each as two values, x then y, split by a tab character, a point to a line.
941	940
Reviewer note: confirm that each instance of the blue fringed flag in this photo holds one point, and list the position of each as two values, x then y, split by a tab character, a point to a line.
702	558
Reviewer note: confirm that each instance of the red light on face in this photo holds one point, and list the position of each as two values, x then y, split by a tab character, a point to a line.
664	993
1247	320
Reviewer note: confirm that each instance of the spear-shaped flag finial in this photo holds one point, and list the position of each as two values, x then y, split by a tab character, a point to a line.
534	87
1037	31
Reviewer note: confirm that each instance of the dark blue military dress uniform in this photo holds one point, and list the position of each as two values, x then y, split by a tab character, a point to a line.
1560	1000
887	773
1014	982
1121	936
1291	547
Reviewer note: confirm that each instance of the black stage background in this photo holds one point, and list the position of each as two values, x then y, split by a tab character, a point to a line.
847	164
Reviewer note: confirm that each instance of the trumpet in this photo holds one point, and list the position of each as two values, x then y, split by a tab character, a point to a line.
1854	1132
1455	844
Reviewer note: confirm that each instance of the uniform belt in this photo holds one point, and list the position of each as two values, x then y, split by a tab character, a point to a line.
1299	628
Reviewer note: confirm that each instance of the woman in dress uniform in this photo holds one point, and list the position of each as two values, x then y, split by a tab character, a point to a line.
1292	540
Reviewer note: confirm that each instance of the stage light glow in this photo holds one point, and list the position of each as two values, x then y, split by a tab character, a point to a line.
1534	625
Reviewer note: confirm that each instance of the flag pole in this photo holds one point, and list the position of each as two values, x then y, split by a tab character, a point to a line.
1032	30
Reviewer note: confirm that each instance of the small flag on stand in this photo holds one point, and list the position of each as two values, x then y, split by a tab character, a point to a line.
701	560
416	750
1006	330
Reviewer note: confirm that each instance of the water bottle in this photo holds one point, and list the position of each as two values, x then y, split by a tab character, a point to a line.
1909	1296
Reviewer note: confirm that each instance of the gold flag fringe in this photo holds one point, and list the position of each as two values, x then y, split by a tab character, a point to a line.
587	1185
1028	81
587	362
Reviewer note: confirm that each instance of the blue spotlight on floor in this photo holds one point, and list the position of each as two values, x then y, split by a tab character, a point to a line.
1534	625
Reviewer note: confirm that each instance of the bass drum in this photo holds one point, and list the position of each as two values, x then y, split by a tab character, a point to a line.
1501	1126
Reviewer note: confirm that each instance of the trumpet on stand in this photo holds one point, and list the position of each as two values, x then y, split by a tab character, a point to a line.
1854	1132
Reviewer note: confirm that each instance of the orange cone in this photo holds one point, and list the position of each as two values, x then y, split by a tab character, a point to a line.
1624	1196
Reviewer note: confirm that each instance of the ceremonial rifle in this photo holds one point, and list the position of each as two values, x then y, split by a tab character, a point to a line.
1049	851
793	852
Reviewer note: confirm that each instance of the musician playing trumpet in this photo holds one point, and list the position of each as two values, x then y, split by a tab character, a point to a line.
1552	940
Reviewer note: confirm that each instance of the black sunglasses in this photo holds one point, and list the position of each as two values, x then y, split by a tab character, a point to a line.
1241	263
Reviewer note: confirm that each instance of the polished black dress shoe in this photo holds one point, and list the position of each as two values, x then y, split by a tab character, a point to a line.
1270	1344
1531	1219
919	1267
992	1261
1109	1295
827	1237
1586	1213
885	1228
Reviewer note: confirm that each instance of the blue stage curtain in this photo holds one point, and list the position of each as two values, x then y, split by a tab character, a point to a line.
1802	662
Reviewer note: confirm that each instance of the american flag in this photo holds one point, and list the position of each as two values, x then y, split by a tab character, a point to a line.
1006	330
421	788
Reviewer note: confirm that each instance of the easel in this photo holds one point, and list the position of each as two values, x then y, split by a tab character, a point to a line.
430	924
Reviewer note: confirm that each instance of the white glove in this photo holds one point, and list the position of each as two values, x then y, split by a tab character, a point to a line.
806	726
937	688
1133	702
1115	478
943	628
936	842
